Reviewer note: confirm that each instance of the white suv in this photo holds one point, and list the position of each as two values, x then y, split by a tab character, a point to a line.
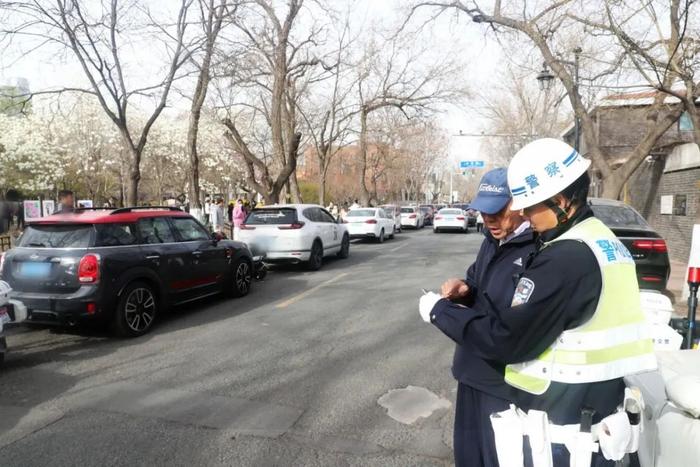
295	233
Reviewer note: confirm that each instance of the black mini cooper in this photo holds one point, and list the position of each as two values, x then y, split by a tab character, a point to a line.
124	266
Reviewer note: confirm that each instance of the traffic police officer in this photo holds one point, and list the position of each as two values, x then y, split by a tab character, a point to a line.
574	327
481	390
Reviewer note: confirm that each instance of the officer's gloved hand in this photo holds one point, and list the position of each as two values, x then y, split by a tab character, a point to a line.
426	304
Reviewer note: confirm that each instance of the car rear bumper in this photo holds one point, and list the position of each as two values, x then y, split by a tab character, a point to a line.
296	256
409	222
449	225
61	309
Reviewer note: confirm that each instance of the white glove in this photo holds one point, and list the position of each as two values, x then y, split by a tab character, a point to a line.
426	304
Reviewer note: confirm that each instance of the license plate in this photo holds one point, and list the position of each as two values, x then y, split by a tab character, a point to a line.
34	270
449	218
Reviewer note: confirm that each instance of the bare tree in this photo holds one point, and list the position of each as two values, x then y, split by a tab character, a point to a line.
408	79
329	116
270	68
95	34
541	28
212	15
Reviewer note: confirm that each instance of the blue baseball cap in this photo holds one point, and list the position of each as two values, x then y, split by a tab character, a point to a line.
493	194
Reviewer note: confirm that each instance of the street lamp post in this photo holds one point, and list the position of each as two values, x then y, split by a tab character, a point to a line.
545	79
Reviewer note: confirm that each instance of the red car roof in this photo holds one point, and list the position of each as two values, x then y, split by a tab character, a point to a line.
105	216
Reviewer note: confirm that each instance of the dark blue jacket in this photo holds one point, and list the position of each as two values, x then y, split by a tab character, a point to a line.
565	287
493	276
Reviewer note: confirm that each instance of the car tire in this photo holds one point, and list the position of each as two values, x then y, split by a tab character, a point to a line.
393	232
316	258
344	247
136	310
241	278
436	230
380	239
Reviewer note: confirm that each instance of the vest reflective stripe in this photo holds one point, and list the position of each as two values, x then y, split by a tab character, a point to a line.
614	343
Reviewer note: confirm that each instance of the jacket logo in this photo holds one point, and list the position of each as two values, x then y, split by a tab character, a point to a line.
518	262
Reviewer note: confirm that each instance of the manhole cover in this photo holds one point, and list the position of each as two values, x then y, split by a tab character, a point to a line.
411	403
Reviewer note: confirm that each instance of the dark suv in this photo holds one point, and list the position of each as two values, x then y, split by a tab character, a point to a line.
123	266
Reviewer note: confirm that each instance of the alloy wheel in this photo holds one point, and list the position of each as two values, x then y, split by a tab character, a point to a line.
140	309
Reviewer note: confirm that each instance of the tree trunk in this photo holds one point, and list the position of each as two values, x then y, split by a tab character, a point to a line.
294	188
132	187
322	186
613	185
364	192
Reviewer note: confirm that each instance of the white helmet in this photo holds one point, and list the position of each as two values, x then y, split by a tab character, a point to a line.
541	169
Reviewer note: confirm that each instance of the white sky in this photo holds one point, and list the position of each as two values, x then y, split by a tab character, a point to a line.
481	57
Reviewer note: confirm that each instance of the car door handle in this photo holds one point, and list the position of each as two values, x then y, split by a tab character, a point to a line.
197	253
153	257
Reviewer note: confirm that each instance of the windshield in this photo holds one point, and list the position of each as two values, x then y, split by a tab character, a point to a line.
361	213
57	236
411	210
619	216
272	216
449	212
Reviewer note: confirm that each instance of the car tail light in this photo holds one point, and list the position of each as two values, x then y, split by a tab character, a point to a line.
657	246
89	269
460	218
246	227
412	216
437	218
371	221
91	308
651	279
294	226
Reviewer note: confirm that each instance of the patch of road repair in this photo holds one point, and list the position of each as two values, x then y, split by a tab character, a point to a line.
411	403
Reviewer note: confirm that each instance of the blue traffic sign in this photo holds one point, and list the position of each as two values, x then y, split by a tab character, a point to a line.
471	164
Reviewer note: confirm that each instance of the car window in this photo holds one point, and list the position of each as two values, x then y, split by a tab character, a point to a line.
619	216
155	230
189	230
312	214
115	234
361	213
57	236
272	216
450	211
324	216
411	210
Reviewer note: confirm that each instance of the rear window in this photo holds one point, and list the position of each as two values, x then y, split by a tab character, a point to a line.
408	210
619	216
450	211
272	216
361	213
57	236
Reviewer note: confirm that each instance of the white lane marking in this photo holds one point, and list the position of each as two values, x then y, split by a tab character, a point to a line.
306	293
397	248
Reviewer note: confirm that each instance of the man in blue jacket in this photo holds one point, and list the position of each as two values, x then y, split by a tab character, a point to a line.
490	281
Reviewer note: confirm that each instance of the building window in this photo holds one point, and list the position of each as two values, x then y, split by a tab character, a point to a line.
679	205
685	123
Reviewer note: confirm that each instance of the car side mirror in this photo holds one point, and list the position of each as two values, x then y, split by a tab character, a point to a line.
217	237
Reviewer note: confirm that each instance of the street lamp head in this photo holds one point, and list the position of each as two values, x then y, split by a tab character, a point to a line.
545	78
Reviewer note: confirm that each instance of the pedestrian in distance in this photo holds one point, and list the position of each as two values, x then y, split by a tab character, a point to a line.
229	211
481	390
66	202
239	216
479	221
572	331
217	216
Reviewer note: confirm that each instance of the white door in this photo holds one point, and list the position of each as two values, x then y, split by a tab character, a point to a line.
331	234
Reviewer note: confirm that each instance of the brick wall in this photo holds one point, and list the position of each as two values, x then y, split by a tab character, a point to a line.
677	229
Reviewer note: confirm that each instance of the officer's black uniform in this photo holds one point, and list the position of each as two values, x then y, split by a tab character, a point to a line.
567	286
481	390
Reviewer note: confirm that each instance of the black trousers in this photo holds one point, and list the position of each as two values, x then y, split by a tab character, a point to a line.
474	444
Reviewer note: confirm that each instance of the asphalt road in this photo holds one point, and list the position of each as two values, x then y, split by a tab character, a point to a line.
290	375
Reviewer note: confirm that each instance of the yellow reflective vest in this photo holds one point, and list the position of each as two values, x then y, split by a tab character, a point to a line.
614	343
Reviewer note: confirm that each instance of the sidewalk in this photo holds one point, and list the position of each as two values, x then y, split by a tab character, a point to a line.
676	282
